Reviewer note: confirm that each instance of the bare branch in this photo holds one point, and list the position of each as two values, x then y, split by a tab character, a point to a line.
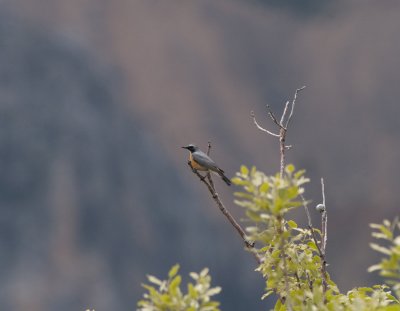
310	226
284	113
320	251
293	104
210	185
282	128
285	272
324	219
271	114
307	211
210	181
261	128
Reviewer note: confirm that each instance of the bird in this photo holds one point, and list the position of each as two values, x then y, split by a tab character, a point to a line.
202	162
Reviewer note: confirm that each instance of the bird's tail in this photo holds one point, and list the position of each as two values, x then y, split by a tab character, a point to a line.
224	178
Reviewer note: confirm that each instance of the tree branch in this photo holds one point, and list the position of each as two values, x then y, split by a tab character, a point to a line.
261	128
284	113
285	269
271	114
210	181
321	249
324	219
293	104
282	127
211	188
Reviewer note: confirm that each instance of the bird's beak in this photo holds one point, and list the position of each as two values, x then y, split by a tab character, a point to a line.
185	147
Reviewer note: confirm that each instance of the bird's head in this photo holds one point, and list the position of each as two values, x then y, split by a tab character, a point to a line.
191	148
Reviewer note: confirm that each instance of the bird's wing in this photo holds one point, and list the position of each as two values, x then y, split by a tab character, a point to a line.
204	160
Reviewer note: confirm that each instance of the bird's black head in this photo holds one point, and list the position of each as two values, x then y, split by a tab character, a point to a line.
191	148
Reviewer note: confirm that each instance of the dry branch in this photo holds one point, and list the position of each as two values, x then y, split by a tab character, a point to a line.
211	188
282	125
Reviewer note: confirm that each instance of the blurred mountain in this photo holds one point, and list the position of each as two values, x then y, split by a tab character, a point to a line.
98	96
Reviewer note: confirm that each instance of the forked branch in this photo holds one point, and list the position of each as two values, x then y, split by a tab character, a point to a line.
282	125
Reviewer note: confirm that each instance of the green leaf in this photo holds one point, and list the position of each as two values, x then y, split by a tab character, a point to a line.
154	280
388	233
380	249
243	195
379	235
386	223
290	168
151	289
254	216
292	224
312	245
270	292
213	291
299	173
239	182
375	268
264	187
392	298
244	170
173	286
279	306
173	271
391	308
194	275
192	291
204	272
376	226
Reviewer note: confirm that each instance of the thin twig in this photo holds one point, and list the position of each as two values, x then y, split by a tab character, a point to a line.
324	219
310	226
208	173
293	104
324	232
259	127
321	252
282	127
285	269
271	114
284	112
307	211
282	148
249	244
209	148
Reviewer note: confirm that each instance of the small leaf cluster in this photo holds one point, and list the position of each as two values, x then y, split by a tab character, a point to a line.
293	263
269	195
373	298
389	266
167	295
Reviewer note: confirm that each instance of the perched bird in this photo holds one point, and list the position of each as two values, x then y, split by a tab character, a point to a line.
202	162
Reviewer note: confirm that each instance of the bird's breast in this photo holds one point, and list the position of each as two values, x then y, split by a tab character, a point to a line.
196	165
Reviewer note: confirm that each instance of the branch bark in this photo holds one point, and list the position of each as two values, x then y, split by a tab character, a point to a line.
211	188
283	127
324	235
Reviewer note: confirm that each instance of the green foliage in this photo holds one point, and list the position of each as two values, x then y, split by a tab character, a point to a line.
293	260
389	266
167	295
293	263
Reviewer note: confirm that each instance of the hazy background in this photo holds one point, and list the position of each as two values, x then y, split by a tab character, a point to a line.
96	98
